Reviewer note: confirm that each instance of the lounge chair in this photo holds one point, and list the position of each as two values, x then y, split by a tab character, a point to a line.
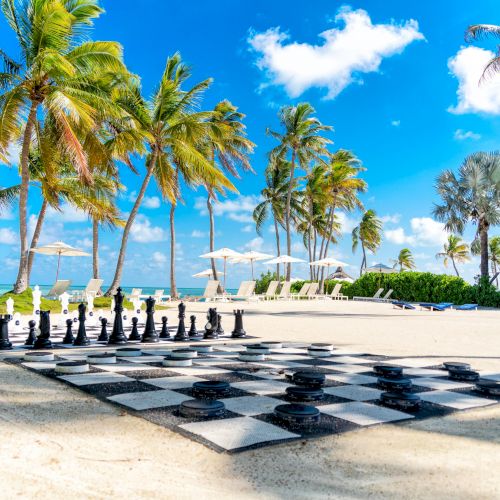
312	293
386	297
285	290
302	293
245	292
93	288
467	307
336	295
399	304
160	297
270	292
210	290
429	306
446	305
60	286
136	292
377	295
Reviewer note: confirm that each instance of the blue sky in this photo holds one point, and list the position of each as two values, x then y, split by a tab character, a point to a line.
403	96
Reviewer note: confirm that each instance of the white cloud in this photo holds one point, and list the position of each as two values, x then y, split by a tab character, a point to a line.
143	232
238	209
396	123
151	202
347	224
467	65
358	47
247	229
8	236
85	243
68	213
393	219
462	135
425	232
13	153
159	258
255	244
6	214
198	234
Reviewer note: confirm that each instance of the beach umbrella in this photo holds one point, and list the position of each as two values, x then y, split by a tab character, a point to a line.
251	257
223	253
60	248
380	268
207	273
284	259
327	262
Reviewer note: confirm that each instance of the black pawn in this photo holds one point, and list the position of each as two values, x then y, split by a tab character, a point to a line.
117	334
81	336
238	324
220	330
5	343
134	334
69	338
43	340
181	334
150	334
103	336
193	332
31	335
164	333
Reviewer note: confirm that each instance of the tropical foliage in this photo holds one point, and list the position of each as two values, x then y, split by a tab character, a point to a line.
454	250
369	234
479	31
405	260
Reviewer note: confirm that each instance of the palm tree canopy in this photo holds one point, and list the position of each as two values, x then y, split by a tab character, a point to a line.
405	259
456	249
478	32
368	232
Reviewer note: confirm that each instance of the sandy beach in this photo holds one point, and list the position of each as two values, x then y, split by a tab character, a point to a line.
58	442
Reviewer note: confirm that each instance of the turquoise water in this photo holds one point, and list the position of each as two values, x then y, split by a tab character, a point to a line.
146	290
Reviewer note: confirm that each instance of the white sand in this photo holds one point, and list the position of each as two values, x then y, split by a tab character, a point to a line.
58	443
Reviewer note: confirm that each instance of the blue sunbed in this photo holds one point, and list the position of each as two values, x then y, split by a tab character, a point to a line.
432	307
446	305
467	307
402	305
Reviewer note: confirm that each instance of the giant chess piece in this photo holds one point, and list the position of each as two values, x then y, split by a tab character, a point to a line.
181	334
238	331
31	335
81	336
69	338
134	334
164	333
5	343
212	324
37	300
150	334
43	339
103	336
220	330
193	332
117	334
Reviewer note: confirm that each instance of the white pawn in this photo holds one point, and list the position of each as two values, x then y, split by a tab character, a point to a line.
15	324
10	306
91	317
136	301
37	301
64	299
125	318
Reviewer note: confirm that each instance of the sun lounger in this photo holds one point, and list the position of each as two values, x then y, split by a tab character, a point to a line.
302	293
336	295
136	292
312	293
377	295
210	290
386	297
467	307
446	305
429	306
93	288
160	297
245	292
285	291
60	286
270	292
399	304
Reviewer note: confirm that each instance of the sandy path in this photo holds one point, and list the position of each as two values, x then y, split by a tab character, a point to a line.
57	442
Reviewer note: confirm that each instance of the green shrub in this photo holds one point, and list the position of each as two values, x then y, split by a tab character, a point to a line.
262	283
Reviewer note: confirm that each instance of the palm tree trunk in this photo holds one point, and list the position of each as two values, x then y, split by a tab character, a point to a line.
315	247
363	262
277	232
309	251
483	238
173	284
455	266
36	235
287	216
95	249
210	209
128	226
22	275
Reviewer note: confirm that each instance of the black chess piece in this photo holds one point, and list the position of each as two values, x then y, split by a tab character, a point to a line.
220	330
5	343
31	335
117	334
69	338
193	332
81	336
238	331
150	334
43	340
103	336
212	324
134	333
181	334
164	333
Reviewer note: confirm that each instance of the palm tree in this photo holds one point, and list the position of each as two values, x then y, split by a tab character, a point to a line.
473	196
302	143
227	147
368	232
455	250
404	260
58	78
493	254
478	31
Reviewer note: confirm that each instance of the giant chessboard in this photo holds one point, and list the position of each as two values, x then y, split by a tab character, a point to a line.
145	388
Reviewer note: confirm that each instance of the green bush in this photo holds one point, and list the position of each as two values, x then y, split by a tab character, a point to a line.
262	283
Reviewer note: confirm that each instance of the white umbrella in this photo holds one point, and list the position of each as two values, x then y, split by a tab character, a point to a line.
59	248
207	273
223	253
251	257
327	262
380	268
284	259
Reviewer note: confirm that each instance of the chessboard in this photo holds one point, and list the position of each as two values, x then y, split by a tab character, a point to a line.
254	387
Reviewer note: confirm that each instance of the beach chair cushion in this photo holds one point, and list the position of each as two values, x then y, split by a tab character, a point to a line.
402	305
467	307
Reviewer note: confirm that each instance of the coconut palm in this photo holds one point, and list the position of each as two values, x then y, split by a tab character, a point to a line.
493	255
472	196
479	31
58	78
369	233
404	260
455	250
301	142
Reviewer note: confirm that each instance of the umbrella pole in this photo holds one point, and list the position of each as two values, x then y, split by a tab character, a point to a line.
58	264
224	274
251	263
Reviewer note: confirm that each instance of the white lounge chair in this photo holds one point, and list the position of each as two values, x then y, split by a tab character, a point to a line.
210	291
270	292
136	292
60	286
245	292
93	288
312	293
285	291
375	297
336	295
386	297
160	297
302	293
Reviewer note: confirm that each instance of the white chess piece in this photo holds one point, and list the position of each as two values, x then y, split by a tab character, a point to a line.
126	318
37	301
15	324
64	299
91	317
136	302
10	306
